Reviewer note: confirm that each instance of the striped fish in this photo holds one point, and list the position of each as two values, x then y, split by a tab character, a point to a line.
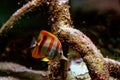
48	47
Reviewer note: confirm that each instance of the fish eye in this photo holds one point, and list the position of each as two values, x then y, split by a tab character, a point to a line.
44	36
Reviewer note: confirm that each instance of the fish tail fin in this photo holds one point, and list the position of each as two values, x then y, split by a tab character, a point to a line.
62	55
64	58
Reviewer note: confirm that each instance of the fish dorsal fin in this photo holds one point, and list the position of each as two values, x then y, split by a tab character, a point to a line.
46	33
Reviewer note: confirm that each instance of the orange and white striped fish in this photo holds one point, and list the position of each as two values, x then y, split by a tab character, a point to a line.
48	47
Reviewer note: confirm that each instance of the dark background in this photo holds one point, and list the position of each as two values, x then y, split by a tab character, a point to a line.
98	19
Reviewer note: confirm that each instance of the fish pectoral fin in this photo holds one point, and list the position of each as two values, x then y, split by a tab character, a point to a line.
36	53
45	59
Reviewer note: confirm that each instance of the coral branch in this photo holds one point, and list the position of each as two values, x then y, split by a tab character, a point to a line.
29	7
60	15
90	54
21	72
113	67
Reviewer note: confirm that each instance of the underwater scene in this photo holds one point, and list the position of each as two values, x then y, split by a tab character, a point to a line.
60	40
